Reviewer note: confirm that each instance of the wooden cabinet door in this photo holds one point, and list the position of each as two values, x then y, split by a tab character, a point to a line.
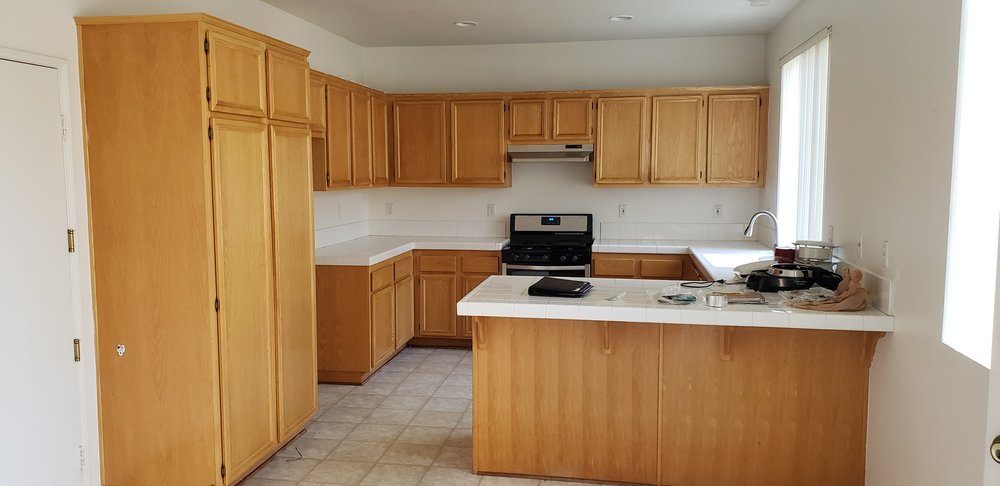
288	87
620	152
436	303
361	138
383	323
244	268
404	311
236	80
529	120
317	104
612	265
734	139
571	119
469	282
678	140
320	171
338	135
294	274
419	143
556	398
478	149
380	141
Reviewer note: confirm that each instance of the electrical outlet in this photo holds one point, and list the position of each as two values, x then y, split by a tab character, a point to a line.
717	211
623	211
885	253
861	247
388	209
491	209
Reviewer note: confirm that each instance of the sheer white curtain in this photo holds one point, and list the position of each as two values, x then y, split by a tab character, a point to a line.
802	141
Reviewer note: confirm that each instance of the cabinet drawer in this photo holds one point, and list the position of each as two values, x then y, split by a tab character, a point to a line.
403	268
614	267
661	268
382	277
481	264
438	263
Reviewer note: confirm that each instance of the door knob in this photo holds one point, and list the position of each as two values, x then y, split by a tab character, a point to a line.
995	449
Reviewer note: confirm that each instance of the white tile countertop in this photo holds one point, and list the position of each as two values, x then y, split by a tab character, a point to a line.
372	250
717	257
507	296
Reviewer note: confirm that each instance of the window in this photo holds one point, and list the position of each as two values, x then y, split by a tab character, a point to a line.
802	140
970	278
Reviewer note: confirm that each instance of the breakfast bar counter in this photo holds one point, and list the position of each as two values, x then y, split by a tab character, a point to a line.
630	390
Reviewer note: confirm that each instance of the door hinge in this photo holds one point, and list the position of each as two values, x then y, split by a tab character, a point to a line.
208	93
222	471
218	305
71	240
83	457
210	133
206	45
76	357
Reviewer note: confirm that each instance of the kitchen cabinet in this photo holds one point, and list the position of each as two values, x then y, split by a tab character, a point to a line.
227	299
317	103
478	148
529	120
551	119
420	142
735	145
355	340
572	119
646	266
361	139
678	140
339	140
620	154
380	141
443	278
320	169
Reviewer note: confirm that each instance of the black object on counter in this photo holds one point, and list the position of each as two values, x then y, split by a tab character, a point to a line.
558	287
791	276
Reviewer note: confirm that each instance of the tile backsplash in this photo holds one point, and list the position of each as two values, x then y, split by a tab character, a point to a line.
395	227
672	231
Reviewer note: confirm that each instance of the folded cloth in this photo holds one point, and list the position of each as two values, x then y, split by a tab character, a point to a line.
850	296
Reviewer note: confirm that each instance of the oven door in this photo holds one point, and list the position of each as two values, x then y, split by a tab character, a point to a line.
547	270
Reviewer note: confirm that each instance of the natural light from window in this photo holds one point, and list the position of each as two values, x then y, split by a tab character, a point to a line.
970	282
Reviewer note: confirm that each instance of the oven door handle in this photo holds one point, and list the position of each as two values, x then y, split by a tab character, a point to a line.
545	267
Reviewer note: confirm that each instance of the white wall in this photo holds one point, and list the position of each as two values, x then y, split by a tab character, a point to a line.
891	121
46	27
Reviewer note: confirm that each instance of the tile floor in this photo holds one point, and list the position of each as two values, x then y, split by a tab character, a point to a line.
410	424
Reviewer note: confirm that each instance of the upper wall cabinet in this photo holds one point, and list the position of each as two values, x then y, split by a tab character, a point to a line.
288	87
317	105
361	138
678	140
529	120
620	155
543	119
338	136
420	143
236	79
380	140
478	148
572	120
734	139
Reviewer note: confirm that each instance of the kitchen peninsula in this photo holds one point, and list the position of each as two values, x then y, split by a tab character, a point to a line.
630	390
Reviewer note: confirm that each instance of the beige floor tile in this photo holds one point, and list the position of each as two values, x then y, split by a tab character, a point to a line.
460	438
442	368
452	391
390	416
374	388
416	350
425	435
389	377
435	378
394	475
460	457
410	358
440	476
267	482
309	448
401	366
412	454
457	380
339	413
436	419
325	400
504	481
350	450
339	472
400	402
462	369
466	421
328	430
415	389
326	388
361	401
442	404
375	432
285	469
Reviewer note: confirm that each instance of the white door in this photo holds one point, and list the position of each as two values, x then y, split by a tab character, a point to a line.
992	470
39	378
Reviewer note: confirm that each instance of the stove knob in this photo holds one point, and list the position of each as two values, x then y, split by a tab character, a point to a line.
574	259
545	258
562	258
516	257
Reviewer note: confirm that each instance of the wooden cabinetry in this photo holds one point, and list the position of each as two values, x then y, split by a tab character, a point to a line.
215	322
478	148
380	141
529	120
419	142
443	278
361	138
549	118
678	140
734	139
572	119
364	316
317	104
648	266
338	136
353	135
620	155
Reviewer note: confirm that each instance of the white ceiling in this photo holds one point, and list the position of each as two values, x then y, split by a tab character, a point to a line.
378	23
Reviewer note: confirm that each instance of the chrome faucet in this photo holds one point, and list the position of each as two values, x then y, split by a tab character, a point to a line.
753	220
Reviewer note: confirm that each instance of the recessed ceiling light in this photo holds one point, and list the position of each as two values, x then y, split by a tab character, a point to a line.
621	18
466	23
760	3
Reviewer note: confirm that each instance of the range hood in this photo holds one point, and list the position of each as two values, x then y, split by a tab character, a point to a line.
551	153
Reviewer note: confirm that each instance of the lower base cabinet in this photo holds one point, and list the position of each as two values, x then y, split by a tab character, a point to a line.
648	266
364	316
443	277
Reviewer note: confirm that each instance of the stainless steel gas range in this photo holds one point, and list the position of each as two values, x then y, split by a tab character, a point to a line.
557	245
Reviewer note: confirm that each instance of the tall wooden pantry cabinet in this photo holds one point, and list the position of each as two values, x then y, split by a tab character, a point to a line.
200	194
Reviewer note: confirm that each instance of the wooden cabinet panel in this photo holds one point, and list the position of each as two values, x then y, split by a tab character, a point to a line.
380	141
403	268
361	138
733	139
620	151
383	313
678	140
288	87
317	104
343	330
571	119
488	264
613	266
294	277
528	120
404	311
436	298
666	267
338	136
478	148
567	399
469	283
381	277
320	171
438	263
236	77
245	278
419	144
